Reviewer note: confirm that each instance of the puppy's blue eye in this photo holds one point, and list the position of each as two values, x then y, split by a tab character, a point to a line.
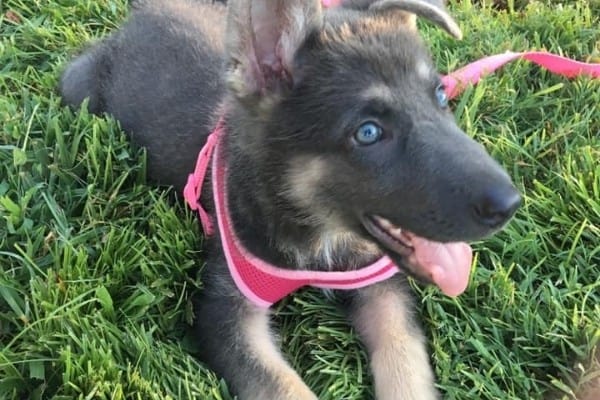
442	97
368	133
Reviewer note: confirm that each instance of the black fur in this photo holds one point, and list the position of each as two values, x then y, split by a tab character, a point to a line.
300	185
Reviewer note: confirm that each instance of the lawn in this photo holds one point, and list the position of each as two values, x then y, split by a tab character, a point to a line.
98	268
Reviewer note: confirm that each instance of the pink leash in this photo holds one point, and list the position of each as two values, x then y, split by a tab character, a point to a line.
470	74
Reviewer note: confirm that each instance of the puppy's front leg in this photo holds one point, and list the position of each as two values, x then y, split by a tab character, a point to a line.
236	342
382	315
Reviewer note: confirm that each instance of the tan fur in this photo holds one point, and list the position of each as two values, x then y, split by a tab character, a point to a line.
261	346
399	360
326	245
304	175
346	32
589	386
423	70
379	91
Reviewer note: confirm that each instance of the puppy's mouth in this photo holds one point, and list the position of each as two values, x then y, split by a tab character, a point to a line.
447	265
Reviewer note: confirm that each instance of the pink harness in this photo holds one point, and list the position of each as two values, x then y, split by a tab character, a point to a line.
265	284
261	282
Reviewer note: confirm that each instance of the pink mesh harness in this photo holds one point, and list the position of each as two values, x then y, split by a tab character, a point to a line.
261	282
264	284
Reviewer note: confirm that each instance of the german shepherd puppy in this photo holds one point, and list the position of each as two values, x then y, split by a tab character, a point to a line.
340	148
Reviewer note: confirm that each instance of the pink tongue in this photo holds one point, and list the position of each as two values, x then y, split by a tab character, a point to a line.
448	264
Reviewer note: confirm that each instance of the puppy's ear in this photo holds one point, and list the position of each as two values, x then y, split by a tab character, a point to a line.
433	10
262	39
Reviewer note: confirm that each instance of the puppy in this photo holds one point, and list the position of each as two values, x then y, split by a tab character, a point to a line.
335	150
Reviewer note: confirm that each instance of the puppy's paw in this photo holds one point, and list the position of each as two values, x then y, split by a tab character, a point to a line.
295	390
399	359
403	373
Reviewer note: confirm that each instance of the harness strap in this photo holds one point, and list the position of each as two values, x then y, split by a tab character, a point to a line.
193	188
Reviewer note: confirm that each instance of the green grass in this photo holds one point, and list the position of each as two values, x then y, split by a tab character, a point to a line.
98	269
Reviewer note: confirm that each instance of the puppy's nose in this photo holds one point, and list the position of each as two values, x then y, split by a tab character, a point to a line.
496	206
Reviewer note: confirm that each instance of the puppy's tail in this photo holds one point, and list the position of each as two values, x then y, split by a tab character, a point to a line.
82	79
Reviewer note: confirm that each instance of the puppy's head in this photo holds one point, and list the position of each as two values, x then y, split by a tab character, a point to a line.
347	107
